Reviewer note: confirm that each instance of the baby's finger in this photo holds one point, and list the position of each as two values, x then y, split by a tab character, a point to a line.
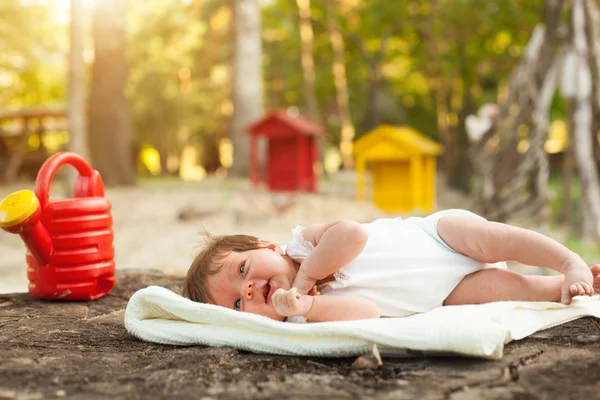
291	298
278	299
278	294
292	293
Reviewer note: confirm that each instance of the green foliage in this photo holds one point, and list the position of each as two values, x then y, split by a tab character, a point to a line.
33	56
415	52
477	45
175	87
556	203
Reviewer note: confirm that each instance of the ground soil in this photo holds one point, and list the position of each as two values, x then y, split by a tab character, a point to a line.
82	351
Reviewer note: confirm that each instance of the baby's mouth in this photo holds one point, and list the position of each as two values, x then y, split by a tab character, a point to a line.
265	291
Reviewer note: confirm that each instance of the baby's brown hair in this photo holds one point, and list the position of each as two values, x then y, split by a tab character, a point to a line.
209	261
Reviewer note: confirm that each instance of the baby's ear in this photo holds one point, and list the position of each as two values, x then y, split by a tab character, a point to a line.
270	245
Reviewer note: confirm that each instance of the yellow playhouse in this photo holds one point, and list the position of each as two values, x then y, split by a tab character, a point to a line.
403	165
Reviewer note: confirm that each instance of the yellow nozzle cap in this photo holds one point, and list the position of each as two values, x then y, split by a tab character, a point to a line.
17	207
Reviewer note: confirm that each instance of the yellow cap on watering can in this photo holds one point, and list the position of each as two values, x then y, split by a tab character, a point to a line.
17	207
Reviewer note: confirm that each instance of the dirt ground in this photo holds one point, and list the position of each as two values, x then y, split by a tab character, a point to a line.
54	350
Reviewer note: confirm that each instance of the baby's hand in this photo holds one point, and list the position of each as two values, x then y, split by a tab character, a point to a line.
303	283
288	303
314	291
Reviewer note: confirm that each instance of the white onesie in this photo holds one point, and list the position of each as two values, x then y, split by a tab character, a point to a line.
405	267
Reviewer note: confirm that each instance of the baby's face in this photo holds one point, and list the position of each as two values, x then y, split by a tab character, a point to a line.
248	280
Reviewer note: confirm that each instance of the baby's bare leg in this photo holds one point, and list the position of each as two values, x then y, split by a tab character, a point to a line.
496	284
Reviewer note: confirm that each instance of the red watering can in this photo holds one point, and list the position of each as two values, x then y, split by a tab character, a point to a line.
70	242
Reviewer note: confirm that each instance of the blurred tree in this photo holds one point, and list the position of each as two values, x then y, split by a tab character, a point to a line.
441	61
466	62
584	45
77	84
170	90
307	59
32	65
110	140
512	164
246	79
341	87
593	10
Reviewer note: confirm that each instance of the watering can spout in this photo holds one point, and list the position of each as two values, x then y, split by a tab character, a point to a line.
20	213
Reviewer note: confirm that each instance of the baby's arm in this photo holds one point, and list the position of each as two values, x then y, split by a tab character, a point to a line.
492	242
336	244
289	303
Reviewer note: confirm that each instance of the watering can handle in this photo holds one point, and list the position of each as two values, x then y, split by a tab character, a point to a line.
88	182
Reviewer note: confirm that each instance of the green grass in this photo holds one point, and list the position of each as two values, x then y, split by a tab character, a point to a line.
555	186
589	250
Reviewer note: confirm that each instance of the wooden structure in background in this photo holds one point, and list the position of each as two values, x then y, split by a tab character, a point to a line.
16	128
510	164
291	152
403	168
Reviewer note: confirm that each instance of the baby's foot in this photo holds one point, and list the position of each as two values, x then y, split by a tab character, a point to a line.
579	281
596	272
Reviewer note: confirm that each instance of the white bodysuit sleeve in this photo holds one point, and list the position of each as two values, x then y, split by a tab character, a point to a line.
297	320
298	248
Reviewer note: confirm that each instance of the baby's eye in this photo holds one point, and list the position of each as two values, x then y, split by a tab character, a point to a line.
242	267
238	304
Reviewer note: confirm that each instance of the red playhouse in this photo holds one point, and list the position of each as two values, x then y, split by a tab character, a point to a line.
291	151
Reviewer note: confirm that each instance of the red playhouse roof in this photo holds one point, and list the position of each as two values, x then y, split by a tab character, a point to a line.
299	125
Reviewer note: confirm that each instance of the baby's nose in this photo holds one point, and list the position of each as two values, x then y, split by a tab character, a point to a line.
248	290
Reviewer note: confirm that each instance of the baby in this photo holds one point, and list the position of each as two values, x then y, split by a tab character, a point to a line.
392	267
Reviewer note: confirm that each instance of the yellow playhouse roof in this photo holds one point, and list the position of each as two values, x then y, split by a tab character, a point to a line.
386	141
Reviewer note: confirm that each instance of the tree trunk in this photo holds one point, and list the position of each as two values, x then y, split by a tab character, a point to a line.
162	144
341	87
594	38
582	118
373	117
440	87
593	35
110	138
308	62
308	72
568	169
78	142
247	87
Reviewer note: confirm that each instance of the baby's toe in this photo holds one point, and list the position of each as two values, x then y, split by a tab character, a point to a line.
567	294
573	290
580	289
595	270
597	283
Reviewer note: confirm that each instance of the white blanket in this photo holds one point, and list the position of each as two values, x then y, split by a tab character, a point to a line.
159	315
